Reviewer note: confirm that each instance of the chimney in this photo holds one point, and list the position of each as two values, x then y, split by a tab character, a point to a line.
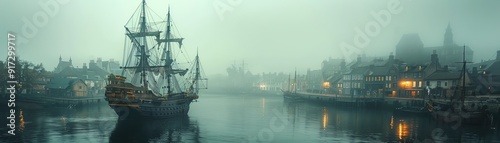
498	55
391	57
342	64
434	57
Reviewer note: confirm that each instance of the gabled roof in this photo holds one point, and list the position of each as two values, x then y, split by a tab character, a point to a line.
359	70
444	76
494	68
62	65
378	70
59	83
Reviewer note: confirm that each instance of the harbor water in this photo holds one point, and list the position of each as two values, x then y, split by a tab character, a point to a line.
238	118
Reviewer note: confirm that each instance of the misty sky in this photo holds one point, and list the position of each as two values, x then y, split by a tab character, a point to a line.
269	35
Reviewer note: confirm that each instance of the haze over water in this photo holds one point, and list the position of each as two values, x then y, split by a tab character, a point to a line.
241	118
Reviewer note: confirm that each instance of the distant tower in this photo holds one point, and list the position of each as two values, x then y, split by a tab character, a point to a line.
448	36
60	58
70	61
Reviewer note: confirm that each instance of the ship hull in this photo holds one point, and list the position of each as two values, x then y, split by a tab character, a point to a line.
159	109
472	118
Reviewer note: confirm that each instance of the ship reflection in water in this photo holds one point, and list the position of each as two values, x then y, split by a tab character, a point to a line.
240	118
176	129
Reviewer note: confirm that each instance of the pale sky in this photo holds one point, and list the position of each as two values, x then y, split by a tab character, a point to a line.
269	35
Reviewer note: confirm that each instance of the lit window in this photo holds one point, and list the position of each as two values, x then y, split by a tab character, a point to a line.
414	83
419	83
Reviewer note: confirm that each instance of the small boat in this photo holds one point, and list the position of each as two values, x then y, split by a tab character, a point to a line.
411	110
292	91
453	111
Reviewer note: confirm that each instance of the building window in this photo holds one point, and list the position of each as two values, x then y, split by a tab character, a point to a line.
79	87
438	84
419	83
406	75
406	68
419	68
414	84
445	83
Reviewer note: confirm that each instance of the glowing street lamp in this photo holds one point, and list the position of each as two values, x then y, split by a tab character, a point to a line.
326	84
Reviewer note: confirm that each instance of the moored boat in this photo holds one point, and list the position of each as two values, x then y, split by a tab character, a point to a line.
152	83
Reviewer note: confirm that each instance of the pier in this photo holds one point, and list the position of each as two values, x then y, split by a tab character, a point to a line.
359	101
59	101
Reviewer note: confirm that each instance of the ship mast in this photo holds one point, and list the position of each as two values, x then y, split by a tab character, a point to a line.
462	98
197	73
143	59
168	62
167	54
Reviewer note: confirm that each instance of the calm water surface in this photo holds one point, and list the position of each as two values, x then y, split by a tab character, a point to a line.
240	118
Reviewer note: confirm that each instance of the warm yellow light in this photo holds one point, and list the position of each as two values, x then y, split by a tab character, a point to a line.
262	86
405	84
326	84
402	129
392	122
325	117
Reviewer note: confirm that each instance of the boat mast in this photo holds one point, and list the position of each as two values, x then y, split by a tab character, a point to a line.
289	83
143	57
169	61
462	98
295	82
197	73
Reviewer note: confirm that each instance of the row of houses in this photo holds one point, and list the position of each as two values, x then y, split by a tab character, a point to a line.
393	77
415	71
69	81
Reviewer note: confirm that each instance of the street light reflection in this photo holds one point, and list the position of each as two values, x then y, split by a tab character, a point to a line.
325	117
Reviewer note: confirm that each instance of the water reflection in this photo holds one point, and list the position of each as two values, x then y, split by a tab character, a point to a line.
402	129
21	121
178	129
325	117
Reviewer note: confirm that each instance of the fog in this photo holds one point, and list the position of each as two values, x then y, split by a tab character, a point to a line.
268	35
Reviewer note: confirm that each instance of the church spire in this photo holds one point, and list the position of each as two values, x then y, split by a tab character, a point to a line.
60	58
448	36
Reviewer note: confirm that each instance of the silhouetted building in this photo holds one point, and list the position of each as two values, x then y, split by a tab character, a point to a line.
63	64
410	49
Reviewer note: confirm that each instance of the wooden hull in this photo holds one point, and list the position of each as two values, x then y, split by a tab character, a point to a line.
473	118
154	109
411	111
291	95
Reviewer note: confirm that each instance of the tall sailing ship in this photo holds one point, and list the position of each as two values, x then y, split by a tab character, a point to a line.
152	83
460	112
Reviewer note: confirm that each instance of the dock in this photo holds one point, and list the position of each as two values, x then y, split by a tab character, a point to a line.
359	101
59	101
